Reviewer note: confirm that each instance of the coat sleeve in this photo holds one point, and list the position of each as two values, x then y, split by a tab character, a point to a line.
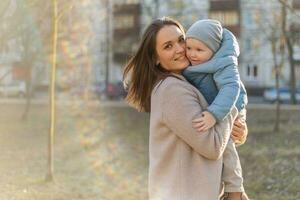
228	83
180	106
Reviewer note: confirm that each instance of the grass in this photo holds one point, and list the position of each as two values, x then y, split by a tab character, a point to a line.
114	142
271	160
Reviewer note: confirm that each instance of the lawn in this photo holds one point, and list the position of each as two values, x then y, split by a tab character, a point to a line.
113	146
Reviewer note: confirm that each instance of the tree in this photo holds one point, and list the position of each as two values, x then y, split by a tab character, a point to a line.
52	76
37	15
277	46
60	33
22	35
281	38
290	39
272	32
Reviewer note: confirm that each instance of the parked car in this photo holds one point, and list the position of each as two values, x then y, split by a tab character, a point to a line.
13	89
270	94
116	91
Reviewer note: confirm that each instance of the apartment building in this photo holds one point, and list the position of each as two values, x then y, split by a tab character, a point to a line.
257	21
113	29
248	20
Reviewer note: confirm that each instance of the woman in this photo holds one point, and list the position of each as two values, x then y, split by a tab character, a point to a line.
184	164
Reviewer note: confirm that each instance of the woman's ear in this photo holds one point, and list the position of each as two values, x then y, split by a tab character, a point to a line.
157	62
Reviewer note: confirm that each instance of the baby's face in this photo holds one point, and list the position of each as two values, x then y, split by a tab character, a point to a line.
197	52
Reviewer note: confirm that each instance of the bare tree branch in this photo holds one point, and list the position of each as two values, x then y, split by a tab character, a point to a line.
289	7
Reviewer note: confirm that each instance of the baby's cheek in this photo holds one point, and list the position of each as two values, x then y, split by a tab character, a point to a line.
187	55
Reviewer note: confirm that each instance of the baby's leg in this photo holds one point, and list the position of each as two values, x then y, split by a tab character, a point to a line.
232	170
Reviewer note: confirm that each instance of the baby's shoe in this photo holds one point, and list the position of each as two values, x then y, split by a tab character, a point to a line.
234	196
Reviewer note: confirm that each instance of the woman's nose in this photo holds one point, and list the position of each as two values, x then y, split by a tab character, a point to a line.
180	48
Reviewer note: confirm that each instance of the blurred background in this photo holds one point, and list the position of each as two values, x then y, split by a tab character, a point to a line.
65	130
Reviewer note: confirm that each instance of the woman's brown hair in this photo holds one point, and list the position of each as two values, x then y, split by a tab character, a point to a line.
141	73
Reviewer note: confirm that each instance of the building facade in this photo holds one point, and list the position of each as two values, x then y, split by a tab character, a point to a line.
107	33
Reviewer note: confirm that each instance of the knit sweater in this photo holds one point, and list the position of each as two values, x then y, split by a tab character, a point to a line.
184	164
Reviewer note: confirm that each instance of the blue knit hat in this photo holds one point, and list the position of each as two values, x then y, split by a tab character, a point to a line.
207	31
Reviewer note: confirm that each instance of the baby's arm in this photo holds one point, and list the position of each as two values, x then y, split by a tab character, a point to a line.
205	122
228	83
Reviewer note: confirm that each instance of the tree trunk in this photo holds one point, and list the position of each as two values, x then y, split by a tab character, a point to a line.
277	120
276	66
288	40
28	93
52	76
108	61
292	70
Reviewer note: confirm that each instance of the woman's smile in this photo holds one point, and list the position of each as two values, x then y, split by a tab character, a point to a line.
180	58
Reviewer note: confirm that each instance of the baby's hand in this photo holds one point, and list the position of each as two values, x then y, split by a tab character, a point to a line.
205	122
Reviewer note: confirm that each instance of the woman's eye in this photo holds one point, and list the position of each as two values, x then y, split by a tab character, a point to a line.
181	40
168	46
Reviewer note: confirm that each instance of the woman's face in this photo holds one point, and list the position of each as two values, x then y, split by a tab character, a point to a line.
170	49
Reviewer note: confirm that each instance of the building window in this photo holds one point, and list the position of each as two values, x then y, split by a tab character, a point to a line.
255	71
255	43
124	22
248	18
247	44
252	44
296	4
126	2
256	16
252	72
227	18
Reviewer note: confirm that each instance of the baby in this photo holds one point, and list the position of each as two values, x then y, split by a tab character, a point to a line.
213	54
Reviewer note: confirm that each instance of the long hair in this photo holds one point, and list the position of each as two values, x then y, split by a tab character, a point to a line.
141	73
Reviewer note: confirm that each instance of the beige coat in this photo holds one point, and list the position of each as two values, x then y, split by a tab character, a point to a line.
184	164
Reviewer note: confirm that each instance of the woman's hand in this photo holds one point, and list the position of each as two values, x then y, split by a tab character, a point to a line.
239	132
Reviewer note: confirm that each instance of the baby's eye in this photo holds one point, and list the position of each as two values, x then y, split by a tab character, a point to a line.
188	48
199	49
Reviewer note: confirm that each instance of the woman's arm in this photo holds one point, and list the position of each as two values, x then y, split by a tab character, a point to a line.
180	106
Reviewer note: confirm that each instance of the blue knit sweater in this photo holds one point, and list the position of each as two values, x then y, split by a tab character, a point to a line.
218	79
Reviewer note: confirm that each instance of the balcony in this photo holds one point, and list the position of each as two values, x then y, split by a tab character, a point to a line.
235	29
126	20
296	4
223	5
126	29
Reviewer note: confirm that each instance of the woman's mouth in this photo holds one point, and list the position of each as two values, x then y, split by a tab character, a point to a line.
179	58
